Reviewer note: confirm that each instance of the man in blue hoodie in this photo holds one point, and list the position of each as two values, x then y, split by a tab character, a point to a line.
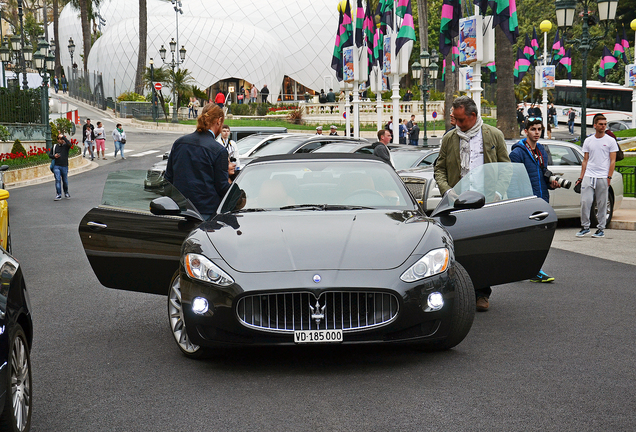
533	156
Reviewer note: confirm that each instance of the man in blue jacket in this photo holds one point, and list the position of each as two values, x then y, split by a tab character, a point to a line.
197	165
533	156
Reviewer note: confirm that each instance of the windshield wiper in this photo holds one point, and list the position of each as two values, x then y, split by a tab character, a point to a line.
345	207
250	210
304	207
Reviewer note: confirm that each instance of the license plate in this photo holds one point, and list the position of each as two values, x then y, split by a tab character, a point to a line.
317	336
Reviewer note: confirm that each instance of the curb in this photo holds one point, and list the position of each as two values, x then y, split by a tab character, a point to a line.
87	165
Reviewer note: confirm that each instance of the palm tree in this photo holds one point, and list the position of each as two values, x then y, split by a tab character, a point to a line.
506	103
141	55
86	29
160	75
56	37
180	81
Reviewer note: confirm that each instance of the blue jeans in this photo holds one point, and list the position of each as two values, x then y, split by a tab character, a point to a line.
414	142
571	126
61	176
119	147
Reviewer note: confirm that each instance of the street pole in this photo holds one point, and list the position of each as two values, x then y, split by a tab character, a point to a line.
545	27
154	95
4	80
379	108
584	48
25	81
633	27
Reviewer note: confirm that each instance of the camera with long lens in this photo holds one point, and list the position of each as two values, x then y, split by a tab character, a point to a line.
564	183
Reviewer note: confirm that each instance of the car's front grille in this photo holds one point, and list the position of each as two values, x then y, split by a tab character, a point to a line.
346	310
417	186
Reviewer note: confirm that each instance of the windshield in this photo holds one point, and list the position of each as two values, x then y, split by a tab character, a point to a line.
246	144
281	146
335	148
318	185
405	159
496	181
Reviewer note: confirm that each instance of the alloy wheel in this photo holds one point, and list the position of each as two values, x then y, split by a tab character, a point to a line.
20	383
177	323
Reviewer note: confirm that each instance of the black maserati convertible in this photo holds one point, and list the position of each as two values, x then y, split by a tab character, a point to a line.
319	248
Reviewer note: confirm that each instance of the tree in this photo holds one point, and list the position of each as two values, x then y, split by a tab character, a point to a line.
160	75
141	54
506	103
181	80
86	31
56	37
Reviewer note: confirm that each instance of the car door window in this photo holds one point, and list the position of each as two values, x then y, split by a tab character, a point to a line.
130	190
365	150
561	156
429	160
311	146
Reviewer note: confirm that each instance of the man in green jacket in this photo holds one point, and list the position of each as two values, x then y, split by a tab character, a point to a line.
470	145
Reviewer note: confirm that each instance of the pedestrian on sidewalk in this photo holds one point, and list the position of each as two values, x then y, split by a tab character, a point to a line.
534	158
64	84
89	137
56	83
596	175
100	139
119	136
414	134
59	154
264	93
571	116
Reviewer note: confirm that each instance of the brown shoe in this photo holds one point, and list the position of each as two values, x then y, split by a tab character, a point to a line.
482	304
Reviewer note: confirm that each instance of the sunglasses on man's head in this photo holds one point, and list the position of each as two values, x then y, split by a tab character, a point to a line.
535	118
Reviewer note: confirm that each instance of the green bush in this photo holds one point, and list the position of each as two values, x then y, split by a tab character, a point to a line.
54	132
5	135
261	109
18	147
241	109
64	125
131	96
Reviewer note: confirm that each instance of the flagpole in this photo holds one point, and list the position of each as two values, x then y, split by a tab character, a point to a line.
545	27
395	84
379	107
476	85
633	27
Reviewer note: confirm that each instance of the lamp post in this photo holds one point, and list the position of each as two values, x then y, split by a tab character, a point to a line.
154	94
425	70
632	25
5	57
25	81
174	63
71	50
565	10
44	62
545	27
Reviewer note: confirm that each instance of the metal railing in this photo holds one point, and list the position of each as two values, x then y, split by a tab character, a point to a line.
629	180
20	106
87	87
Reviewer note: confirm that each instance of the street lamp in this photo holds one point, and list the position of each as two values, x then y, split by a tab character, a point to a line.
44	62
174	64
71	50
425	71
565	10
25	81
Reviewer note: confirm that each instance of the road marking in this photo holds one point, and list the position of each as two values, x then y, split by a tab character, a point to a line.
145	153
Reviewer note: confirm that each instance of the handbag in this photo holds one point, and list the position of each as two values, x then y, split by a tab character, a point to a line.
123	140
577	187
619	154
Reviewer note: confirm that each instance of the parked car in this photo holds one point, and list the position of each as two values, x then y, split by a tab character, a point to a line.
302	143
237	133
564	160
16	336
248	145
318	248
413	157
352	147
618	125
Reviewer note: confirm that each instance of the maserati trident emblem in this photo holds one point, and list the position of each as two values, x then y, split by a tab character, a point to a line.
317	312
317	278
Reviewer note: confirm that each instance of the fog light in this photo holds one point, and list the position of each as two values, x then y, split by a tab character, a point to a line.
435	301
200	305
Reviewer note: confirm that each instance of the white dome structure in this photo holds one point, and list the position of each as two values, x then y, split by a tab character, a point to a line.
259	42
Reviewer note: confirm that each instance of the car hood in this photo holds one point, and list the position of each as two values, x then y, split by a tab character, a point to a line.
316	240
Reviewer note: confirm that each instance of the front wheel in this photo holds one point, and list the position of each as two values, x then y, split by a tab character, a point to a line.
463	312
16	415
177	322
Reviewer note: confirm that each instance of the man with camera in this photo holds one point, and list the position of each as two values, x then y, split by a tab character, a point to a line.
596	174
59	155
533	156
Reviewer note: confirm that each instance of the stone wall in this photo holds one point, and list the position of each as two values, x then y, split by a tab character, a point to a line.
29	173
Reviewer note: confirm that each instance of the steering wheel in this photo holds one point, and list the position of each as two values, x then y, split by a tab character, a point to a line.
365	192
365	197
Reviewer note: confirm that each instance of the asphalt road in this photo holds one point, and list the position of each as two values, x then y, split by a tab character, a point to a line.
546	357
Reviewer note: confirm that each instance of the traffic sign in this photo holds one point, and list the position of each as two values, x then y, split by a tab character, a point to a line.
158	86
434	114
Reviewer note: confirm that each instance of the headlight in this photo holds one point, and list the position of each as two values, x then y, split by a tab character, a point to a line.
201	268
434	262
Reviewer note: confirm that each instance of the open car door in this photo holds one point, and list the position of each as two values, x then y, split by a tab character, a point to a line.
128	247
504	238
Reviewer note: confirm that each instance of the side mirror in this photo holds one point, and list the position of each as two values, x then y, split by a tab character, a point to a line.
164	206
470	200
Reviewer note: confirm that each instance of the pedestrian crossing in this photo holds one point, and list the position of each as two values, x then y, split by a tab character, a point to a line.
145	153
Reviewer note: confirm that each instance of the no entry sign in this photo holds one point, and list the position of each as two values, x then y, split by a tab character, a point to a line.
158	86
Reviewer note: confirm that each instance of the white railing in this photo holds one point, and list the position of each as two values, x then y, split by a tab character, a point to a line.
368	108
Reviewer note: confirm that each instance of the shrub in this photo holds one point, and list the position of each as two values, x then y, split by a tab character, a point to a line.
54	132
5	135
261	109
296	116
130	96
241	109
64	125
18	148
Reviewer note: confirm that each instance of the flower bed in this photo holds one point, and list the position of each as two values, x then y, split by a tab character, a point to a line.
35	156
281	109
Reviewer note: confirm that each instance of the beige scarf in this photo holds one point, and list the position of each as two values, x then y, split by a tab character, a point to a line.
464	145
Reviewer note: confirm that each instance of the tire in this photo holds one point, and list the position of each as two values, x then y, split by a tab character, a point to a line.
177	322
610	210
16	414
463	312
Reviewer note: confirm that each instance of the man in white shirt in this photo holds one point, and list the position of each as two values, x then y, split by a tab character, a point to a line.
596	174
230	145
